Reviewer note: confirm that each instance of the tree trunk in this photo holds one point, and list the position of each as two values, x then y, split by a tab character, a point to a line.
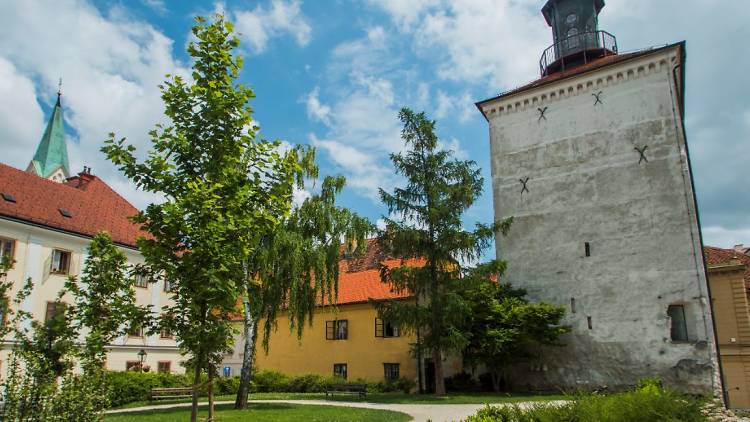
495	381
211	392
439	376
196	382
250	331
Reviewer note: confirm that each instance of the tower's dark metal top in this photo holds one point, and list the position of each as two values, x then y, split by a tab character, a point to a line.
576	35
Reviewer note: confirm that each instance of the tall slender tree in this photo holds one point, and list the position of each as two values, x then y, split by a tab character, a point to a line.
425	222
222	187
297	267
104	301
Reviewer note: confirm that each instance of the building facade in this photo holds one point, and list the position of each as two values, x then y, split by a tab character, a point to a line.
591	160
729	278
47	221
348	339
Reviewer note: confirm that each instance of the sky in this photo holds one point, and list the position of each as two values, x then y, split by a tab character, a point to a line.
334	73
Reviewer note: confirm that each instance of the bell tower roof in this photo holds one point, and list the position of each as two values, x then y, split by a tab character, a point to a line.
548	7
51	155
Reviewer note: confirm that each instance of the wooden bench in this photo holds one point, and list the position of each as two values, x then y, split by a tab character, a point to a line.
171	393
359	389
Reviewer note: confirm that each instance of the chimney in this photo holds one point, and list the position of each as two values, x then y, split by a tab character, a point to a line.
82	179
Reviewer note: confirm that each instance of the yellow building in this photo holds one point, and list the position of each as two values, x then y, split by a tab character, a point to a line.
47	220
348	340
729	279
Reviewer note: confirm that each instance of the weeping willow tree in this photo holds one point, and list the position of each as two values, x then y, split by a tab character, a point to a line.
296	268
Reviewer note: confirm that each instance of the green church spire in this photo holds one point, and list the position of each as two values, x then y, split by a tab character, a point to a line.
51	157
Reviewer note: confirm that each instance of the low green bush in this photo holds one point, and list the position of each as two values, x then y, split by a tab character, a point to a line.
128	387
650	403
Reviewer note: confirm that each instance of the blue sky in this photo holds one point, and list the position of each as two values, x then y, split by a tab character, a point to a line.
334	74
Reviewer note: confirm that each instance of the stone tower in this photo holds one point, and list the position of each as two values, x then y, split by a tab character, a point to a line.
591	160
51	158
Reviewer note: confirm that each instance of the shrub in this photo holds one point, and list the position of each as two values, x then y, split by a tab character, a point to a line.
644	404
270	381
228	385
128	387
403	385
463	382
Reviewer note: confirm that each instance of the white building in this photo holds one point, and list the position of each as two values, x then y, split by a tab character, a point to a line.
47	220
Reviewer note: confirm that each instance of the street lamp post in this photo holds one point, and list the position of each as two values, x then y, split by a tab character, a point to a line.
142	357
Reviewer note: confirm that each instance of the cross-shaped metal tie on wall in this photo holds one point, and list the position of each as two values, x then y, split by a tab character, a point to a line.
642	151
523	185
541	114
598	99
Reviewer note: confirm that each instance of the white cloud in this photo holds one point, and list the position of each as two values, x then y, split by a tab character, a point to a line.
725	238
451	107
157	6
110	65
21	119
258	26
405	13
444	105
485	42
315	109
454	145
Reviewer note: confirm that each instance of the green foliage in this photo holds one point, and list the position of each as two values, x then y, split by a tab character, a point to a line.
503	327
40	384
128	387
104	300
298	262
426	223
648	405
224	189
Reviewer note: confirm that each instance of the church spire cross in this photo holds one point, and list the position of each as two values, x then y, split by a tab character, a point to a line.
59	92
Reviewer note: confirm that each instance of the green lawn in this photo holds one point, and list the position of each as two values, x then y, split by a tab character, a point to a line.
276	412
453	398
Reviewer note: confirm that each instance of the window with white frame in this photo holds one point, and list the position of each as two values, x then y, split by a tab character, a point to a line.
60	262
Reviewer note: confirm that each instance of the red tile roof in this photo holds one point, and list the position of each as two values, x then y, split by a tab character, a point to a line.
718	256
359	277
92	204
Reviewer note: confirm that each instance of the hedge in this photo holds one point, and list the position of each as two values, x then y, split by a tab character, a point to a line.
647	403
128	387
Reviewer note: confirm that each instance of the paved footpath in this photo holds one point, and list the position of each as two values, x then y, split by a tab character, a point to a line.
420	412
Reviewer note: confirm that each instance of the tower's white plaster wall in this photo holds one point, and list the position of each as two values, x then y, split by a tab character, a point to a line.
586	185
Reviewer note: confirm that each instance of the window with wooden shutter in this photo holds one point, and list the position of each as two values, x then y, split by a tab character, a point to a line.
136	331
337	329
60	262
164	367
53	309
391	371
385	329
340	370
141	281
7	247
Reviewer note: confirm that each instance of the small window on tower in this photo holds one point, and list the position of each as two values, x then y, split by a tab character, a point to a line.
678	326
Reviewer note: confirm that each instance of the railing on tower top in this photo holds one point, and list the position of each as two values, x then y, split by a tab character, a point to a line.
577	49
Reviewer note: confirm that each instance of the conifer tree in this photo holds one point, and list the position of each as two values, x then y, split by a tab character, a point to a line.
222	188
425	223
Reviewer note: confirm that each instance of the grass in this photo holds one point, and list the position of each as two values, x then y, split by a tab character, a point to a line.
394	398
277	412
